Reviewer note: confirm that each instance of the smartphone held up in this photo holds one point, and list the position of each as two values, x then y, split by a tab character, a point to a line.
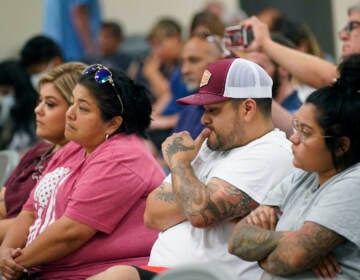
236	37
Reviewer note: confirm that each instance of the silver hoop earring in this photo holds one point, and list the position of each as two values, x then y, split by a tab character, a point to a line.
107	135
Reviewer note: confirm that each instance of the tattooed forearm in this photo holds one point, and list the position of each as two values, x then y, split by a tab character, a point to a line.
205	205
252	243
289	252
164	195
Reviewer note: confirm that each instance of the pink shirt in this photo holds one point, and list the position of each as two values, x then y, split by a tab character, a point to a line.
107	191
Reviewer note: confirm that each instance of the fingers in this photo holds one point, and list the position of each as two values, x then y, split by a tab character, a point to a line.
16	253
327	268
273	219
201	137
264	217
335	264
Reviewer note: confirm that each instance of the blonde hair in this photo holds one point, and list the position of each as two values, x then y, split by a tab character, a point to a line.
64	77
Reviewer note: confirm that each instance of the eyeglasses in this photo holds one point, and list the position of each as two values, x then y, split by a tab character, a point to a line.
103	75
303	131
350	27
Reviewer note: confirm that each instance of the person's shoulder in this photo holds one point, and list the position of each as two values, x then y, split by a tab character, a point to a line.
271	142
121	146
351	174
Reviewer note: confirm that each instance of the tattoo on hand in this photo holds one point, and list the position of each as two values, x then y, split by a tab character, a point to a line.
176	146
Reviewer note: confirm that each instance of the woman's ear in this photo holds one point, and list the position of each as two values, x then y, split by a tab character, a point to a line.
342	146
114	124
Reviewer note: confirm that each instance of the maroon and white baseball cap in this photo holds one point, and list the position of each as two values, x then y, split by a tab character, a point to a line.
230	78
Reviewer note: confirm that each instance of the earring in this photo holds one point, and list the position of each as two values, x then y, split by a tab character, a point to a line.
107	135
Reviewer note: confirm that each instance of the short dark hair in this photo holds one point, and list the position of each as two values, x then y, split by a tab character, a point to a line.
39	49
263	104
135	98
338	111
115	28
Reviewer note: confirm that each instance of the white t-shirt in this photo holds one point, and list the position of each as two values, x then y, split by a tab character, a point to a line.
254	168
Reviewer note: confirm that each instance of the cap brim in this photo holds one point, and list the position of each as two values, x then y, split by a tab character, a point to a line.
201	99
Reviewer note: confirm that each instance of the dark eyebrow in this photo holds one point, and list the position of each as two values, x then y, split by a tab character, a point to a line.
81	100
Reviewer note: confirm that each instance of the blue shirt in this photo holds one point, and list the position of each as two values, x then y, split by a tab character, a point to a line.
58	25
292	103
190	120
178	90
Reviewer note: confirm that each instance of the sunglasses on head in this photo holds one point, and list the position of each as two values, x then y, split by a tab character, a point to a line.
103	75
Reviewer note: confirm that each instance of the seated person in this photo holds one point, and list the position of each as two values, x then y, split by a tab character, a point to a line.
315	211
161	71
55	97
38	55
110	39
85	213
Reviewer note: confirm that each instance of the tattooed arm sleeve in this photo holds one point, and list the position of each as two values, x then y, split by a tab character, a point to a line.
205	205
283	253
162	211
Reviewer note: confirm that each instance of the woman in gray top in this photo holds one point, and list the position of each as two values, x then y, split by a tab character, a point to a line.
309	225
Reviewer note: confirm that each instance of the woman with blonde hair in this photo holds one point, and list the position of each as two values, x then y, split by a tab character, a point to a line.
55	97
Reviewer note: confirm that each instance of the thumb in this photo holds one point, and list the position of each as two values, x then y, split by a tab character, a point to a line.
16	252
201	137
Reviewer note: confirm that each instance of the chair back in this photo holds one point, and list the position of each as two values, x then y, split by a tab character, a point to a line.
9	159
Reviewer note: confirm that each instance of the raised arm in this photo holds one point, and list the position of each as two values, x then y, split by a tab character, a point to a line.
81	18
309	245
202	204
310	69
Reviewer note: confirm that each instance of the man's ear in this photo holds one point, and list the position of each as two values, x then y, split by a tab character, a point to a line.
114	124
249	108
342	146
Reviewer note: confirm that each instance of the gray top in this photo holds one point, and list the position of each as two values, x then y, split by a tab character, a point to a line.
335	205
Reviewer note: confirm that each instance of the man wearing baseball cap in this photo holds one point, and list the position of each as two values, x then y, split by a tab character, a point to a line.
219	177
222	174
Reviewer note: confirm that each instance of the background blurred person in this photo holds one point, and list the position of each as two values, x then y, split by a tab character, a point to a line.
161	71
38	55
110	39
206	22
74	25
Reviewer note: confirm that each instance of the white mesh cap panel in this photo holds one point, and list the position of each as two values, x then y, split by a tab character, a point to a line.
246	79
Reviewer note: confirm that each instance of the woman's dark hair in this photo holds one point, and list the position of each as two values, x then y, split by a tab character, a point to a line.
338	113
135	98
